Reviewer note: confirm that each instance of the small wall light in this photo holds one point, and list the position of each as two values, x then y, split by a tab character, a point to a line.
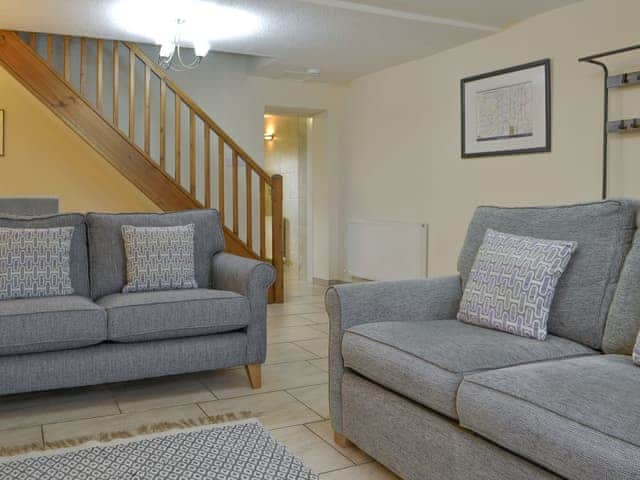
269	137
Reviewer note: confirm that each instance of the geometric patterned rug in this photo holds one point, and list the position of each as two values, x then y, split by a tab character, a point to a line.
239	451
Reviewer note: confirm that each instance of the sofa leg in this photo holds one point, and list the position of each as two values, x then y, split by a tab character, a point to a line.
254	373
342	441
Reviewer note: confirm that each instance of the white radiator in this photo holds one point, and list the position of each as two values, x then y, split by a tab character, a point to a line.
379	250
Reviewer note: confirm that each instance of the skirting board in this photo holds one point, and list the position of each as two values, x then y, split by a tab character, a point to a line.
327	283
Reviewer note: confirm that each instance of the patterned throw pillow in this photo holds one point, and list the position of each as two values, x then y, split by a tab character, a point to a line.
159	258
35	262
636	351
512	283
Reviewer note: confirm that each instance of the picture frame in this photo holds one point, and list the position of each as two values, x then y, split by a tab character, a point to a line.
507	111
1	133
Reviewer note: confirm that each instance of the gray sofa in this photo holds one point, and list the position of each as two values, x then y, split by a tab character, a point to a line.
101	335
434	398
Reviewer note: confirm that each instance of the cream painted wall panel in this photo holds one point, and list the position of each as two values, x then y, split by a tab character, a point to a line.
286	155
321	224
44	157
402	132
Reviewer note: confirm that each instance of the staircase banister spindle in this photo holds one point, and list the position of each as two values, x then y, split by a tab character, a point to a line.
187	100
235	188
66	60
249	205
277	240
99	74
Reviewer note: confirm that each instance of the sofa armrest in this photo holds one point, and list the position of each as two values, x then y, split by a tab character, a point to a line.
354	304
252	279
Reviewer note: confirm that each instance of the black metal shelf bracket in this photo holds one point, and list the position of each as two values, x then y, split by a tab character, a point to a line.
622	80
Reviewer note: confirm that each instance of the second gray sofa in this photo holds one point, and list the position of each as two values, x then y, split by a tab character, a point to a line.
431	397
101	335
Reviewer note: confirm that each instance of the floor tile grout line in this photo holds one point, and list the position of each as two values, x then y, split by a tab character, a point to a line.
314	326
289	326
355	465
203	383
306	425
305	404
273	391
320	358
31	425
301	340
107	416
367	459
308	349
282	314
113	397
289	361
324	442
202	409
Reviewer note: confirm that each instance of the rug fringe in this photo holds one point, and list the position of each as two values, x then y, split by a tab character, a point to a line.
105	437
19	450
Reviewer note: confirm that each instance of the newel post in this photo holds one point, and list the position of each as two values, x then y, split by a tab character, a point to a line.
277	236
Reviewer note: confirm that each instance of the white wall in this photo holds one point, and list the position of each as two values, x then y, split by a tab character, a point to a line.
402	129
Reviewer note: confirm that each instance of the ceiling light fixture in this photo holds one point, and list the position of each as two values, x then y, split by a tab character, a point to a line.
269	137
170	56
189	23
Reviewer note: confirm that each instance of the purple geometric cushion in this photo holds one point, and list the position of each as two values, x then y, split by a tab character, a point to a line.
636	351
512	283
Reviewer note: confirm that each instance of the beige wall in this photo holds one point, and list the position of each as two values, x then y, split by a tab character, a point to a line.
44	157
402	129
323	239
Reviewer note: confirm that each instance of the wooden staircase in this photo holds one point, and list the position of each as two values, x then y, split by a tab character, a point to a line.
177	178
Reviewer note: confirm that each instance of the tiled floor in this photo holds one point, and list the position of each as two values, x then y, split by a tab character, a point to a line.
292	403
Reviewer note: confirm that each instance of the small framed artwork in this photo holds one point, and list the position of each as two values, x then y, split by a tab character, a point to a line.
507	112
1	133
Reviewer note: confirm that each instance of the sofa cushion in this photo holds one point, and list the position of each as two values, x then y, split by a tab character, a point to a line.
106	247
144	316
623	322
603	231
426	361
512	283
35	262
50	323
579	417
79	257
159	258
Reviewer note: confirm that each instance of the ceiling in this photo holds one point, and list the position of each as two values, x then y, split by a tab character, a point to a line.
342	39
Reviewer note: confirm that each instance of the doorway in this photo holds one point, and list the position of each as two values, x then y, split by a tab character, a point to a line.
286	152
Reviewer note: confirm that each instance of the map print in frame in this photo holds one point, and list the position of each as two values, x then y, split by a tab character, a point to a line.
507	112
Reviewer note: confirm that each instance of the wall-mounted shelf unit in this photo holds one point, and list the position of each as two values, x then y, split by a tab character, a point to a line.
622	80
630	125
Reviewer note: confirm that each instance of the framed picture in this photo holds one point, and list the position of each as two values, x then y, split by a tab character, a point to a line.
507	112
1	133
